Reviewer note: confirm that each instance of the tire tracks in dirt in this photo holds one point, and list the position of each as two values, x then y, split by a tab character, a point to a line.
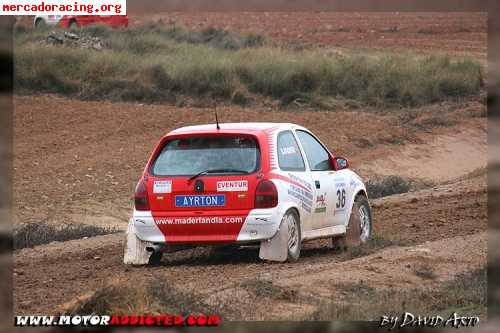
49	276
451	216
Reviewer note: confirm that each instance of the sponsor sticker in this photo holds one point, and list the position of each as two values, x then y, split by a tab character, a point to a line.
200	200
288	150
320	203
232	186
162	186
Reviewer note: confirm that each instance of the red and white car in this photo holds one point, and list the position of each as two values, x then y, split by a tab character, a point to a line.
77	21
270	184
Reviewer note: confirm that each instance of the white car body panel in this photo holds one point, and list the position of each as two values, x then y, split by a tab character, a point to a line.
50	20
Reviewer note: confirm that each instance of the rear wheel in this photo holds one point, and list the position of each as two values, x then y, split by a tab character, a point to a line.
155	258
292	221
359	229
40	24
73	25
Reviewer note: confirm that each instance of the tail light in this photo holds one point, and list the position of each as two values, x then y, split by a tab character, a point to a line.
141	196
266	195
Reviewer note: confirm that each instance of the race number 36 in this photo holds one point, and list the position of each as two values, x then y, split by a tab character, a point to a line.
340	198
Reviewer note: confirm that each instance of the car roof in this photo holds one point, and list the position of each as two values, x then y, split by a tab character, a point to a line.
235	127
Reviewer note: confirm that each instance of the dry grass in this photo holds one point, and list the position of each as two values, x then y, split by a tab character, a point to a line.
382	186
375	244
266	288
150	296
465	294
378	187
168	64
33	234
425	271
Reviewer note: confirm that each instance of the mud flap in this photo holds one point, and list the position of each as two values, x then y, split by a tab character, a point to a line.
276	248
135	249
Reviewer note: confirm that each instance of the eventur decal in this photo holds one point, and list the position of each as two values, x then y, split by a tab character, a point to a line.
232	186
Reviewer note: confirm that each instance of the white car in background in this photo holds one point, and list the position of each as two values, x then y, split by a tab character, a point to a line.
77	21
42	21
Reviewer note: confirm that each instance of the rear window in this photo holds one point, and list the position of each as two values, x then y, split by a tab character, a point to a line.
190	156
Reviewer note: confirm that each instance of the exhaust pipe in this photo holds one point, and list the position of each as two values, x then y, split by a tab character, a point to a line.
167	248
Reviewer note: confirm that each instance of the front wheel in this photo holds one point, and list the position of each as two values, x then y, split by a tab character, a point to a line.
360	227
294	243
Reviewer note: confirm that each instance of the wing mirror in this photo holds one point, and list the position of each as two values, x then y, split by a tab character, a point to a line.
340	163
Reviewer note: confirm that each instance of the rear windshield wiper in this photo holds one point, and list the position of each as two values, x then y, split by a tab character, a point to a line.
217	171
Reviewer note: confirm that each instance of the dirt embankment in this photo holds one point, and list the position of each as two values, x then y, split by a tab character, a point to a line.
78	162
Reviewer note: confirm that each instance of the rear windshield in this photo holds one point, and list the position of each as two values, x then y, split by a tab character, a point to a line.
190	156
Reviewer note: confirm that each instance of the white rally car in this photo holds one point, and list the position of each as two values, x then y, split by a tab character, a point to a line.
270	184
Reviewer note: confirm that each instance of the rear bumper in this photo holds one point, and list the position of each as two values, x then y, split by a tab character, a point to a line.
222	228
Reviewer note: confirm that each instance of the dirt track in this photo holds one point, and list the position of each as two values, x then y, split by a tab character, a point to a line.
80	161
87	176
449	223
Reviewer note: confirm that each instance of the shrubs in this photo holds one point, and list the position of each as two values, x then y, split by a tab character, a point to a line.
425	271
384	186
33	234
266	288
155	37
464	293
153	295
157	63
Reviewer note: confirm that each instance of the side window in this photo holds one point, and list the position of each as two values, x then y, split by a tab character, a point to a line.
289	156
317	156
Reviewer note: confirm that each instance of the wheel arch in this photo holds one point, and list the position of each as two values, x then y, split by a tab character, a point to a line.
360	189
297	211
361	192
71	21
286	207
37	20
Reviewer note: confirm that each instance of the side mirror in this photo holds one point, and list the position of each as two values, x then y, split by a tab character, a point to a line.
340	163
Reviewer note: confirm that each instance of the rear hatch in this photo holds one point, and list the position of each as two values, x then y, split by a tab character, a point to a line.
201	187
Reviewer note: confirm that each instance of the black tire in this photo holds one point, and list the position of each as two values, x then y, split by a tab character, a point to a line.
294	243
40	24
73	25
155	258
224	249
360	227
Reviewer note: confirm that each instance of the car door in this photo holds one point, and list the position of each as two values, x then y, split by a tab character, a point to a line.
329	189
292	165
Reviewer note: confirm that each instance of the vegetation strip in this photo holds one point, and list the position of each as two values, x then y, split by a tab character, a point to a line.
33	234
465	294
166	63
